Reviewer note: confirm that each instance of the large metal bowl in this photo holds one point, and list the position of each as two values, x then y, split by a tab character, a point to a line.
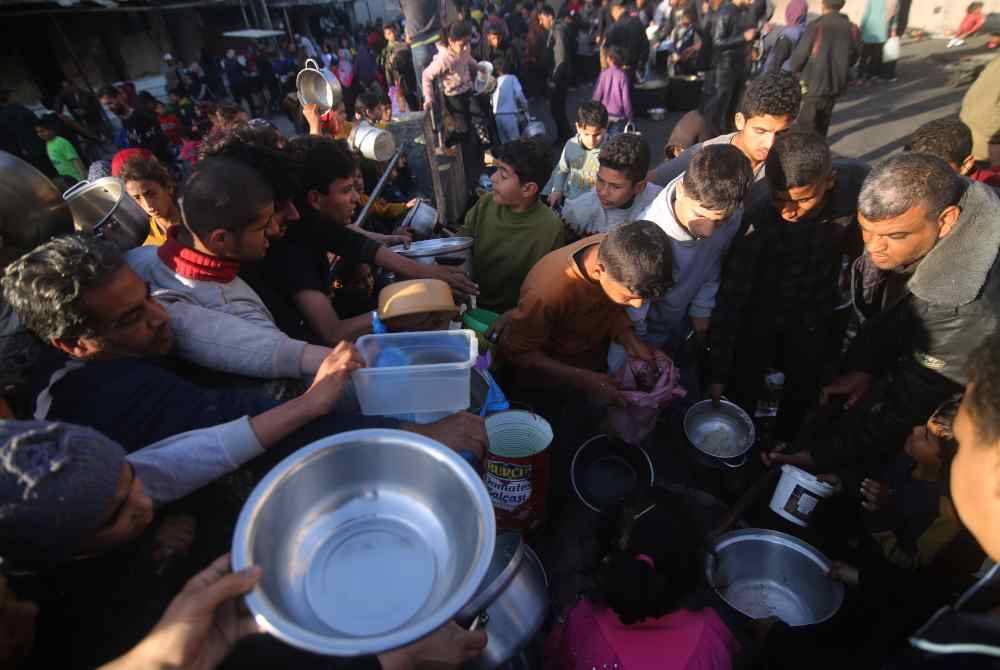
724	433
369	540
764	573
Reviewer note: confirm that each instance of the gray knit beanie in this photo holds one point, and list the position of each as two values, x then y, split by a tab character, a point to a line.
57	484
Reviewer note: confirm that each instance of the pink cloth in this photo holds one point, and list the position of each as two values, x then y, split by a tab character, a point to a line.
593	637
647	389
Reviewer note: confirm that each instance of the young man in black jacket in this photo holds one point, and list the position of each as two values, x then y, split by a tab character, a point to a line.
823	56
560	47
781	302
926	291
730	30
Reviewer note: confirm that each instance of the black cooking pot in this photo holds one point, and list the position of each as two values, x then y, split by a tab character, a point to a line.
605	471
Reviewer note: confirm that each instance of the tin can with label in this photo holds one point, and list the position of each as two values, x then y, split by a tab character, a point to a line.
517	468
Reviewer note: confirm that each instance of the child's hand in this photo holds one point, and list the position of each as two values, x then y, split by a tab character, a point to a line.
174	537
554	199
874	495
311	114
413	202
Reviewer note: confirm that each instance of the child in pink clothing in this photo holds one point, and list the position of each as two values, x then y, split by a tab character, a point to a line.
973	21
454	66
636	618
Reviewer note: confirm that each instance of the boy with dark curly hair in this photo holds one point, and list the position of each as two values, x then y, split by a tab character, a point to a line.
948	138
512	229
769	106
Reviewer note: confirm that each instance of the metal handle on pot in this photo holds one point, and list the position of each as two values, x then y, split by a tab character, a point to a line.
74	188
314	66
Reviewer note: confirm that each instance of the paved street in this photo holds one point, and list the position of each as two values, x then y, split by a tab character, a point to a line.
870	121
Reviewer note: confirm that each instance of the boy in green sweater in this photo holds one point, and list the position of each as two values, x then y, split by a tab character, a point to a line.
61	153
512	229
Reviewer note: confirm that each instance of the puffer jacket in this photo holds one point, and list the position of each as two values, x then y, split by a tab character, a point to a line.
920	341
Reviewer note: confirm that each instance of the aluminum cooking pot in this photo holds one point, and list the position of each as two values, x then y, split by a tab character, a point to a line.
514	598
31	209
102	207
722	434
314	85
764	573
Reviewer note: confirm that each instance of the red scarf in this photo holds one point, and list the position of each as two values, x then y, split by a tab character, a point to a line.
193	264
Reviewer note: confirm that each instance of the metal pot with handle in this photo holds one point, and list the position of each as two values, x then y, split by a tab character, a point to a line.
514	598
31	209
103	207
314	85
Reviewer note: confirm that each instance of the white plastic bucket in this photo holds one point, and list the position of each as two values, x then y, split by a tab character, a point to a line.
373	143
798	494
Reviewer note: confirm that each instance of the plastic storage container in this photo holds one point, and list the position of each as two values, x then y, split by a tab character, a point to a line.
415	372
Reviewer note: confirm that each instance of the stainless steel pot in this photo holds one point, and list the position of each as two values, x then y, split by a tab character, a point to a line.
314	85
514	597
31	209
722	434
764	573
369	540
102	207
444	251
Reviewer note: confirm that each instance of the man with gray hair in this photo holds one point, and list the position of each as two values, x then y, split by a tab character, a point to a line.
926	291
106	332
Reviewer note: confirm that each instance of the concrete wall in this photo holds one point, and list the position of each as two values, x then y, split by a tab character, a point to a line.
935	16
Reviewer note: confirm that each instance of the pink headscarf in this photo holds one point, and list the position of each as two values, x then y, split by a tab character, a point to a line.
796	12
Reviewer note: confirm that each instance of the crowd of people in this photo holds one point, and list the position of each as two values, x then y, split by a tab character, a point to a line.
154	381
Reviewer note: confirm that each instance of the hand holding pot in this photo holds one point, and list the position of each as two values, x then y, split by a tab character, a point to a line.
311	114
447	647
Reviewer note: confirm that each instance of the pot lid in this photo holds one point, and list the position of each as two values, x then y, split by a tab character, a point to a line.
508	553
436	247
